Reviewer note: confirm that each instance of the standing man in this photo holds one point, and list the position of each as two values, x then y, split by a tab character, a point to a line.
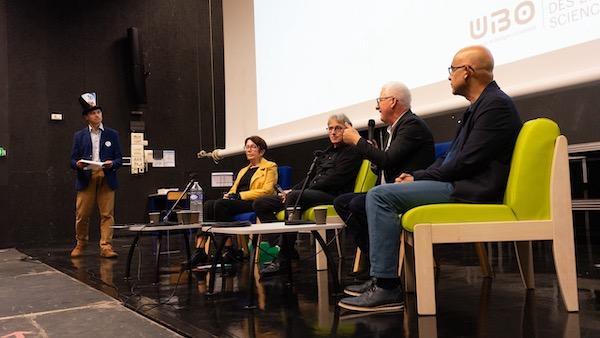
334	174
474	170
408	147
96	181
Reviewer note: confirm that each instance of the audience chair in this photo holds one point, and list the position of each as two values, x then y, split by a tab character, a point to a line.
284	177
441	148
537	206
171	199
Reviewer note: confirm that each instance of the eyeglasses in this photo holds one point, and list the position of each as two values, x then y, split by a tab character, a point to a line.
250	146
379	99
452	69
336	128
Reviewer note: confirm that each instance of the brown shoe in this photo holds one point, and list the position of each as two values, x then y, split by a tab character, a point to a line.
108	253
78	251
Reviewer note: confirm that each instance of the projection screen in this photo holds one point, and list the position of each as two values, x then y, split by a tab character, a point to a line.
291	64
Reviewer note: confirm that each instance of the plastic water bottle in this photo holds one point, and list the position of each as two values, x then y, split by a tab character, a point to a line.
196	197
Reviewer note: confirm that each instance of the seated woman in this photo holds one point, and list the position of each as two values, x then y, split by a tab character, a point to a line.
253	181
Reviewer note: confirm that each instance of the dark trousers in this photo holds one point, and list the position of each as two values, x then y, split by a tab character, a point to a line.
267	207
351	208
223	210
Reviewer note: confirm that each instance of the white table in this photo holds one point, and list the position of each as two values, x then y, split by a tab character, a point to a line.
270	228
140	229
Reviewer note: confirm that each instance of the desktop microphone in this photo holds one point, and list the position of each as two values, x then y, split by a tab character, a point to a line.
316	153
183	193
371	130
290	220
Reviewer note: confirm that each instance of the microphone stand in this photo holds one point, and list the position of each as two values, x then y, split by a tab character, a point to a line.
290	220
187	187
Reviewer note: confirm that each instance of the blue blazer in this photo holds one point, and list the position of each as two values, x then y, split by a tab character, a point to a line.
479	169
110	149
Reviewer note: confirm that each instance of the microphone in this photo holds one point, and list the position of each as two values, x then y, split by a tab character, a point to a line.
371	130
317	154
183	193
291	220
279	188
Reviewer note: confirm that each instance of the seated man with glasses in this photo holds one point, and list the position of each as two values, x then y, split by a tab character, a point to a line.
334	173
474	170
407	147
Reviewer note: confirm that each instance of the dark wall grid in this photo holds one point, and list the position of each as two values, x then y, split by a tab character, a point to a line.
52	51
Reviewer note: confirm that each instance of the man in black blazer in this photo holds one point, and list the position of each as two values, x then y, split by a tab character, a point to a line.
408	147
334	173
96	181
474	170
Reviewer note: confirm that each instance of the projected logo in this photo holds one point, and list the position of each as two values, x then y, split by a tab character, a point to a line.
502	20
561	13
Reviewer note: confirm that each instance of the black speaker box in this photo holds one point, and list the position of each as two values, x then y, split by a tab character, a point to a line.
137	67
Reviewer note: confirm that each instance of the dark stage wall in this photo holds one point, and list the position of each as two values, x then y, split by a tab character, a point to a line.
52	51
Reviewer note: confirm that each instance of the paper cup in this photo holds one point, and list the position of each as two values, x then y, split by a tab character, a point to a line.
320	215
154	217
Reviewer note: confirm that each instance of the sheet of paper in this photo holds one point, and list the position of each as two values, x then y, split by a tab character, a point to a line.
169	158
93	164
166	158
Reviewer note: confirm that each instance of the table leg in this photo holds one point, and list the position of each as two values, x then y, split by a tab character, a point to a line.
321	259
330	264
130	254
157	258
213	269
251	282
186	238
287	248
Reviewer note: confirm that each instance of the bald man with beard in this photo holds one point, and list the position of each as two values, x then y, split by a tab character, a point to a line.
474	170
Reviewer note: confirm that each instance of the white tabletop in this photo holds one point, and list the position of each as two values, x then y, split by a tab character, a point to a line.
269	228
150	227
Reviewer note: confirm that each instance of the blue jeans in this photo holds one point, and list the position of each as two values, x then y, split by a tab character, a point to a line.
384	203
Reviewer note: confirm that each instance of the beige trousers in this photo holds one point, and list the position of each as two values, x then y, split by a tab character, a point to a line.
97	191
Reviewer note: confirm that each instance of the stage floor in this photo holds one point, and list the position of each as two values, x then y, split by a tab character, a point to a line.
48	294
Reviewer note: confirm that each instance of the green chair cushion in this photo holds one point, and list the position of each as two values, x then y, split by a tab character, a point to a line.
309	214
456	213
365	180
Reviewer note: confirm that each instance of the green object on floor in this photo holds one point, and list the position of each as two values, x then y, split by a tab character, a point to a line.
267	253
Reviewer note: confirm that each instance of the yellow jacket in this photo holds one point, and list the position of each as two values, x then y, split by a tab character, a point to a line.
262	182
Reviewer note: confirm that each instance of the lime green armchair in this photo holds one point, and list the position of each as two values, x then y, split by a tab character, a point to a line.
365	180
537	206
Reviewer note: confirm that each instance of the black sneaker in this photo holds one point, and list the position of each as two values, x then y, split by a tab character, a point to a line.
275	268
375	299
231	255
199	257
358	289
